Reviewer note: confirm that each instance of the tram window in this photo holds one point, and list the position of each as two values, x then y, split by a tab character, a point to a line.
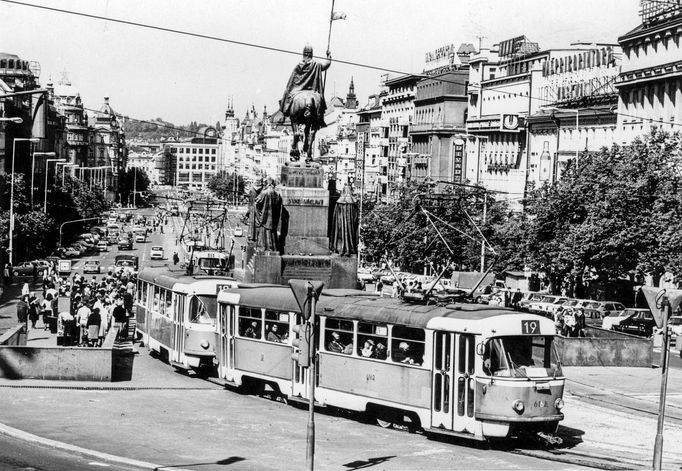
276	326
407	345
250	322
169	303
156	306
372	340
521	357
202	309
338	336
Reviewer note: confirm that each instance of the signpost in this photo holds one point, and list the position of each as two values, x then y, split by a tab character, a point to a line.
307	293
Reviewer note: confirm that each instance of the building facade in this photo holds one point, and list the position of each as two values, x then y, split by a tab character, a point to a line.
650	80
197	160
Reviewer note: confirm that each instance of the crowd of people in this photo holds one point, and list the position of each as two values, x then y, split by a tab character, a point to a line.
570	322
95	306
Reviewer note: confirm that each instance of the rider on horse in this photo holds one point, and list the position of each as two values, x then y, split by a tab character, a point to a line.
307	76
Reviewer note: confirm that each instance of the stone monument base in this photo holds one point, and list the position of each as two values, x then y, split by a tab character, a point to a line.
335	271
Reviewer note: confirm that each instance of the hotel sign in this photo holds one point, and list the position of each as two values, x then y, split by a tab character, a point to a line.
603	57
440	57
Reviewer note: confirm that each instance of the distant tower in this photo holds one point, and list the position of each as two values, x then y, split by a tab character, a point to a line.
231	124
351	99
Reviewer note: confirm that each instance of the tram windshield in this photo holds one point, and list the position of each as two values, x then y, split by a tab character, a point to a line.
202	309
521	356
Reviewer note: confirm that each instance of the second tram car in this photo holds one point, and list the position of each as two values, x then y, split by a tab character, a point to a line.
175	315
467	370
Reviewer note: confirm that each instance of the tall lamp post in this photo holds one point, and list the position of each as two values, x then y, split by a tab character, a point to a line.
64	164
11	197
33	169
47	163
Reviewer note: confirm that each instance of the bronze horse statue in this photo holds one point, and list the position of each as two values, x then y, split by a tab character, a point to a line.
304	112
303	101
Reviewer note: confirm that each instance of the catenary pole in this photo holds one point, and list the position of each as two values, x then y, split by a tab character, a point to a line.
665	357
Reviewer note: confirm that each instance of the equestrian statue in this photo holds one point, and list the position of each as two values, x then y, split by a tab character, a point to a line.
303	101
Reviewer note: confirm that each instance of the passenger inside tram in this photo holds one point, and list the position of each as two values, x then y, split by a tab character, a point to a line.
252	331
367	349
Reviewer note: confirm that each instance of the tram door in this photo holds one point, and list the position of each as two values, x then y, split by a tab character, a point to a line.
226	341
178	330
452	404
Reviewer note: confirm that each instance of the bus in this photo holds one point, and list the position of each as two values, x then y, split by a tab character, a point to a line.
176	316
466	370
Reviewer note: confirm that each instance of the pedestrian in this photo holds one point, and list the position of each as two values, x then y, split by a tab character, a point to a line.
66	328
33	310
516	299
46	308
176	259
82	318
580	322
22	309
25	290
380	288
93	325
119	316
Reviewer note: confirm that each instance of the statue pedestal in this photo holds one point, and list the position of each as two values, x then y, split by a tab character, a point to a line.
304	225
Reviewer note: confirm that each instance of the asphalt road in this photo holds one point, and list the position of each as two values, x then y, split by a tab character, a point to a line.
23	455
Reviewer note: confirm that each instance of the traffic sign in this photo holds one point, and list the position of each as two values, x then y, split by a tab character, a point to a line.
304	291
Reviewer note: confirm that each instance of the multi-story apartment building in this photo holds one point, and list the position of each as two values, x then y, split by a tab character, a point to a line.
650	82
397	111
197	160
369	132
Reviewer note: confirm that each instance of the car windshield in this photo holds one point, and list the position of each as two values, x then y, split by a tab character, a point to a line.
521	356
548	299
210	262
157	248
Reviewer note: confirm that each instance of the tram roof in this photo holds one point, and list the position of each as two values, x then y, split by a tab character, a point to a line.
360	305
168	278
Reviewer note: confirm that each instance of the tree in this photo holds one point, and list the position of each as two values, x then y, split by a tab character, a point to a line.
618	212
133	179
428	229
226	185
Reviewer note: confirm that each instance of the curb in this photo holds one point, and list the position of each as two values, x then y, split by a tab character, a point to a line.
29	437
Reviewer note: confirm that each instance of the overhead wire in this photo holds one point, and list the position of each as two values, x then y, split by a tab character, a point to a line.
284	51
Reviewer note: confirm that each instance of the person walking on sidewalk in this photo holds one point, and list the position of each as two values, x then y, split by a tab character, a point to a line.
22	309
46	306
82	318
33	310
25	290
93	324
120	317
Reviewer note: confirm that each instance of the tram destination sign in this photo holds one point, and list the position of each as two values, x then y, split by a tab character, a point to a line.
530	327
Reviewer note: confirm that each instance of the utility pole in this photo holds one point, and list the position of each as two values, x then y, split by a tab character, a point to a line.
134	186
485	211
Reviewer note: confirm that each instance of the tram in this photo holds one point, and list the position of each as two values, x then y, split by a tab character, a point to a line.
176	315
466	370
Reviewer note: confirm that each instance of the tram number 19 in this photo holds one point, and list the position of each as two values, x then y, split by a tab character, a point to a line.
530	327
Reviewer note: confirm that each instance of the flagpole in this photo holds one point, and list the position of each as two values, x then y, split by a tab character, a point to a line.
329	40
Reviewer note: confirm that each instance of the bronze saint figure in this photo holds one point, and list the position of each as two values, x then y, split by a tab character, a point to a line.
268	207
344	240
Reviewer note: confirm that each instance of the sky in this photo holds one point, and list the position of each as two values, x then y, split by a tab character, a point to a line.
149	73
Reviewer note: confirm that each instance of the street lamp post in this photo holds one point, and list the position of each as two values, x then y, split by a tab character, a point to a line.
47	164
33	170
11	197
64	165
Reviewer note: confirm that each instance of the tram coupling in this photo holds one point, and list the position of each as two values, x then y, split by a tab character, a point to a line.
549	439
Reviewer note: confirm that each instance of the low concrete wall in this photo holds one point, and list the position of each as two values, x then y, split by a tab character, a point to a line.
605	348
105	363
14	336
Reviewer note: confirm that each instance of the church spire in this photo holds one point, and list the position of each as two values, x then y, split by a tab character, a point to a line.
351	100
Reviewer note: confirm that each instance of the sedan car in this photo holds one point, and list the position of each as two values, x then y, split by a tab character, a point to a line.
23	269
238	232
71	252
92	266
124	243
601	309
640	323
103	246
156	253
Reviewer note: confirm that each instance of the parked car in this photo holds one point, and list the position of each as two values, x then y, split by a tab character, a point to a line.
71	252
524	304
92	266
103	246
23	269
41	265
543	306
576	303
140	237
156	253
238	232
365	275
640	323
601	309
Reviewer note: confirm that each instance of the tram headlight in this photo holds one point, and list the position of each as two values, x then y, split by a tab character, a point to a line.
559	403
204	344
518	406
